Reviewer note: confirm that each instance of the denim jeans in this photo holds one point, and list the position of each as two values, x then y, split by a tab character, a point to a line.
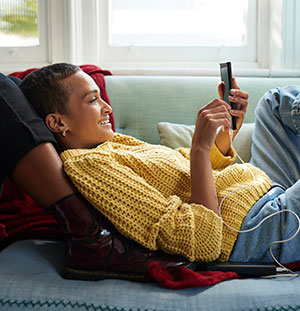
276	150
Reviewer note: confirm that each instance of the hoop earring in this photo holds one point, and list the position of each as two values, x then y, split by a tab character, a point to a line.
63	134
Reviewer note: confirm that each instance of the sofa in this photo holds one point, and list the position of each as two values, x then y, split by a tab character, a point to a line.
159	110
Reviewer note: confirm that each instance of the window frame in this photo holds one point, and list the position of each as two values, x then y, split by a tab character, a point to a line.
33	54
67	23
54	19
167	59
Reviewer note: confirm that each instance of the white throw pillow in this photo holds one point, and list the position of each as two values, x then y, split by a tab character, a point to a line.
175	135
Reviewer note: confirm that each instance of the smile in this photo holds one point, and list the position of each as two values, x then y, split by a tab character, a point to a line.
103	122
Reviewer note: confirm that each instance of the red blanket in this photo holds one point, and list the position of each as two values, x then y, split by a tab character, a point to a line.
22	218
181	277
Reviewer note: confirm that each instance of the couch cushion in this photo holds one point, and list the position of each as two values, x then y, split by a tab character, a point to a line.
141	102
30	280
175	135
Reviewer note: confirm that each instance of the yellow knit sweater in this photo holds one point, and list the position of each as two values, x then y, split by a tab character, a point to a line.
144	191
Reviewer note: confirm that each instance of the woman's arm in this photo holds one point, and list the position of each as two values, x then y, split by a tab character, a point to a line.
209	119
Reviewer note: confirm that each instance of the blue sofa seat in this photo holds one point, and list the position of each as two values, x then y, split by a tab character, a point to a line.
30	280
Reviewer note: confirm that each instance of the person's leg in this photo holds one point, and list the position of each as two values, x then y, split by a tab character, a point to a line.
276	150
276	139
27	153
254	246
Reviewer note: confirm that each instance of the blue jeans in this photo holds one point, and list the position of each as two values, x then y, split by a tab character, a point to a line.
276	150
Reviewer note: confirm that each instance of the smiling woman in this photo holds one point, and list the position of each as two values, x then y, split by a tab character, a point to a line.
71	107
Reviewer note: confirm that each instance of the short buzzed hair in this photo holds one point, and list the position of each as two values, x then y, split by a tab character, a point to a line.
46	90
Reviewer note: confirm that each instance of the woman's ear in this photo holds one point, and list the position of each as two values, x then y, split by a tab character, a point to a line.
55	123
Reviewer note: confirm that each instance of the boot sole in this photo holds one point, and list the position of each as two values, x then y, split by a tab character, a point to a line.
97	275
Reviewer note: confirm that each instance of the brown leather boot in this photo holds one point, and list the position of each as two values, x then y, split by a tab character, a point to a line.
96	250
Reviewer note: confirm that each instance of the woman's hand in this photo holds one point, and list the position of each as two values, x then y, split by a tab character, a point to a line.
209	119
240	98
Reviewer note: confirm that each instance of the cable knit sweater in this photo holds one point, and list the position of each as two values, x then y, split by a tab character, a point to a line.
144	190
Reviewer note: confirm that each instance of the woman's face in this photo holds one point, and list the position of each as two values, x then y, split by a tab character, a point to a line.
87	120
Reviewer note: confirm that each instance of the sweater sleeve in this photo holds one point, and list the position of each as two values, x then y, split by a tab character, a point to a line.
217	159
140	212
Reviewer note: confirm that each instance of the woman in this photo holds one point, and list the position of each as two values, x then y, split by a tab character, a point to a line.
122	176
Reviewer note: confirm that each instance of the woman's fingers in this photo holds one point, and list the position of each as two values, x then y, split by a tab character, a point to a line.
216	113
221	86
239	93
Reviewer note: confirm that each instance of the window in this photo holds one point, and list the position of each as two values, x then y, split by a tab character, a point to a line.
178	23
260	37
19	23
23	35
177	33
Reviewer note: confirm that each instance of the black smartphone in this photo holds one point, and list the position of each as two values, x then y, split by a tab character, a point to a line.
226	77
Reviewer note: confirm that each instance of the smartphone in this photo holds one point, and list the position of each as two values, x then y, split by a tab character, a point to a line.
226	77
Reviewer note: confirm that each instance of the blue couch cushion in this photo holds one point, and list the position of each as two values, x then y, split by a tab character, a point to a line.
30	280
